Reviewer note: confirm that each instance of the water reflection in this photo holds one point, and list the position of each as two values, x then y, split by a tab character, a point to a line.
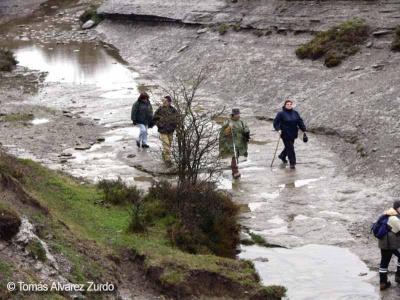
73	63
313	271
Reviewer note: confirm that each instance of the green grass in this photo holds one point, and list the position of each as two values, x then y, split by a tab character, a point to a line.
17	117
396	40
36	250
335	44
74	205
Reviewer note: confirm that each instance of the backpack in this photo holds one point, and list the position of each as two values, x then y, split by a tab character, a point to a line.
380	228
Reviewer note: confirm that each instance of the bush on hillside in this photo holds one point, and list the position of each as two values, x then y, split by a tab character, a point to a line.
336	43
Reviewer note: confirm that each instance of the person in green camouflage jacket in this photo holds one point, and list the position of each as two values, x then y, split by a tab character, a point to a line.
234	135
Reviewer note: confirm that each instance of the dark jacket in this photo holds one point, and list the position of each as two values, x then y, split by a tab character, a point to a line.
166	119
392	239
142	112
289	122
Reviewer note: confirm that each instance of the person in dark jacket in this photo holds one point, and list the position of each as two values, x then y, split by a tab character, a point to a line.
166	119
142	115
287	122
389	246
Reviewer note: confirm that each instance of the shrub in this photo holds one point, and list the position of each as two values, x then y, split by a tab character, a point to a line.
205	218
138	222
117	192
336	43
396	41
7	60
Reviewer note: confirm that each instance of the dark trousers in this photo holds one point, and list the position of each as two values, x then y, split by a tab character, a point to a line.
234	166
288	150
386	256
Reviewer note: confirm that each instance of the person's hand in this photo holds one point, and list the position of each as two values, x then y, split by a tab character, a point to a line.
134	123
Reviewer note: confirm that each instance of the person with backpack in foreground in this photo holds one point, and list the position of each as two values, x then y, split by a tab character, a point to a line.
233	139
142	115
287	122
387	229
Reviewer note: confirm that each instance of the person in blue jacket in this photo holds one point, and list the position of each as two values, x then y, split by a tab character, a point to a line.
287	122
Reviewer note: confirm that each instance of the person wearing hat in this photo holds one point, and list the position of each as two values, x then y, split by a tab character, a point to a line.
166	119
389	246
287	122
233	139
142	115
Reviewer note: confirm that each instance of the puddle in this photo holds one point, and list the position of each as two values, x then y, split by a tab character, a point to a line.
277	220
74	63
299	183
313	272
255	205
39	121
143	179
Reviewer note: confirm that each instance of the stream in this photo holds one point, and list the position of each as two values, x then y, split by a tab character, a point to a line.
306	211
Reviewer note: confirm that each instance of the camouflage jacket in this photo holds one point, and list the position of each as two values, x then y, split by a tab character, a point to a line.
238	134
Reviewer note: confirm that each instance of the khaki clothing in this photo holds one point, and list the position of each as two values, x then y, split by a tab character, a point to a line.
166	140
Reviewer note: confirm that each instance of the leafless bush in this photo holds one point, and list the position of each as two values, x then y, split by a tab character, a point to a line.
195	147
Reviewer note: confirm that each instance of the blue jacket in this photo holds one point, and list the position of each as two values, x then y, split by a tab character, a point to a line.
289	122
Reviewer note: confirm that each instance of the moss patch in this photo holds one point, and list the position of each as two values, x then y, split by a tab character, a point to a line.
17	117
396	40
336	43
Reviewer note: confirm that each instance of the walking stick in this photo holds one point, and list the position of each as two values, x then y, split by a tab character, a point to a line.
276	149
234	146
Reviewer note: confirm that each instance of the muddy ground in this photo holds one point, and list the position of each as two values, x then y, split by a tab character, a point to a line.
351	169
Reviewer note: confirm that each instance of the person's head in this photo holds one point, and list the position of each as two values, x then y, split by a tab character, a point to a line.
396	206
143	96
167	100
235	114
288	104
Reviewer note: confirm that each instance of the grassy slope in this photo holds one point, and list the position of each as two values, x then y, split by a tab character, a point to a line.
74	204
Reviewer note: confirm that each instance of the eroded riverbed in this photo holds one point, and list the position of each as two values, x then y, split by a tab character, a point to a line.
310	211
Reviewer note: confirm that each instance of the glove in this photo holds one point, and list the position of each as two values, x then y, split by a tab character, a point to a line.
228	131
305	138
134	123
246	136
151	124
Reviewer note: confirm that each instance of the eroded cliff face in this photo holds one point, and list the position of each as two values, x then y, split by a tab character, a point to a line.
357	101
260	14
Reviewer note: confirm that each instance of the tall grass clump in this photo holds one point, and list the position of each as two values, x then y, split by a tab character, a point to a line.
335	44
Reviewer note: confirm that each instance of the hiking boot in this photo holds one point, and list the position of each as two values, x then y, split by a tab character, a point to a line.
397	277
385	285
145	146
293	167
283	159
138	144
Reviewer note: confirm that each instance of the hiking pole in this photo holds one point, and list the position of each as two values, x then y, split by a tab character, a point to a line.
276	149
234	146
